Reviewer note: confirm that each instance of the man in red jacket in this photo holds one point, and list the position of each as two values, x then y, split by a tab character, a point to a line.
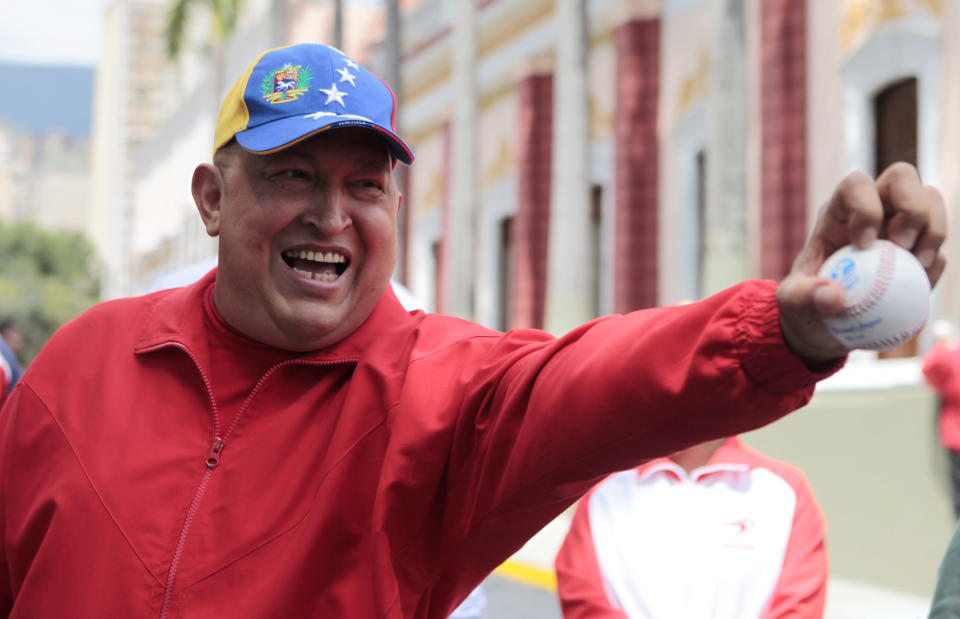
283	439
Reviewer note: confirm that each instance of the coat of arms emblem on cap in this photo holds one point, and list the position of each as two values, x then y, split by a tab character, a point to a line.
286	83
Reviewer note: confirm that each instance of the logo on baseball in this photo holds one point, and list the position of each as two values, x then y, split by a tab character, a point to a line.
887	295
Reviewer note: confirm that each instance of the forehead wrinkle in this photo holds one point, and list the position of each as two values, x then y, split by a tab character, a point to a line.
361	155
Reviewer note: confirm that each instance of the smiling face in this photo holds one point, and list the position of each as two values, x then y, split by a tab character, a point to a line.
308	236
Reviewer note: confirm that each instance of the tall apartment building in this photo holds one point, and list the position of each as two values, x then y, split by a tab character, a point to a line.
44	147
132	95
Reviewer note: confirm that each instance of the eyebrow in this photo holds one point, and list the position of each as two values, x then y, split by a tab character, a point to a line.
372	162
378	161
372	158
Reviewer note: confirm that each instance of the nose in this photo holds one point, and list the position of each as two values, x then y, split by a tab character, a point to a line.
327	212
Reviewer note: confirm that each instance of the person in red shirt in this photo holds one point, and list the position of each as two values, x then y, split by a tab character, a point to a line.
941	367
11	342
716	531
283	439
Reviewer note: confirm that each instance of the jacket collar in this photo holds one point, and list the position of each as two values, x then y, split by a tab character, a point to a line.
177	320
729	457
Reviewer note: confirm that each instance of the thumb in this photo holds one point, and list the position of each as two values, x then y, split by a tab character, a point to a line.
804	300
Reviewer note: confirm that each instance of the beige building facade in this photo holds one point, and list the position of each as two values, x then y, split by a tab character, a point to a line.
44	179
740	117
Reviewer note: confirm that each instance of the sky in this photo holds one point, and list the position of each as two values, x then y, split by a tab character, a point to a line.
51	31
57	31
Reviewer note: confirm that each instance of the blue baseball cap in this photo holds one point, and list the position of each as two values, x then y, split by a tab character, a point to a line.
291	93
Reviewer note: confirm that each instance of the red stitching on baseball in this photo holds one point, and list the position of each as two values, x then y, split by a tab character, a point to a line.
881	283
895	340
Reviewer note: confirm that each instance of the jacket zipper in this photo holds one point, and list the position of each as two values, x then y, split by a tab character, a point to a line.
213	459
216	453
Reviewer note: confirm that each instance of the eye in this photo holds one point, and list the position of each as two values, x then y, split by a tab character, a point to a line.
292	178
293	173
369	184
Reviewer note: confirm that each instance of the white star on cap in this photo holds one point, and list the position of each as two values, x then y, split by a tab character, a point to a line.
333	94
347	76
351	63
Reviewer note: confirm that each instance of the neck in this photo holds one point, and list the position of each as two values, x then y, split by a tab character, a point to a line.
696	456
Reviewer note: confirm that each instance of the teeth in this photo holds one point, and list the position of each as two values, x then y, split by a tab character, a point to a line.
329	257
324	277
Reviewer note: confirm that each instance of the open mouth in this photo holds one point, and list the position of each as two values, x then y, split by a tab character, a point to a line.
323	266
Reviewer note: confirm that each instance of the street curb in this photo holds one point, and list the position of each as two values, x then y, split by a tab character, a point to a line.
528	574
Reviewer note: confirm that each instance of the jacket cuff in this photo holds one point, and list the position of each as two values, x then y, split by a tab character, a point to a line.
764	355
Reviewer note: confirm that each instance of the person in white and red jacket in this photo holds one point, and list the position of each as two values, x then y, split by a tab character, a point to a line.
716	531
941	368
283	439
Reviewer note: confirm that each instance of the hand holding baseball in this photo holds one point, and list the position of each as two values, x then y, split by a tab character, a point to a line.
896	206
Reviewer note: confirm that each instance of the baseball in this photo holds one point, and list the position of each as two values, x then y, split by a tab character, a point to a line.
887	295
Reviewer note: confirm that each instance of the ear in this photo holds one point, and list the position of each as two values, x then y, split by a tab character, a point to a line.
208	188
399	202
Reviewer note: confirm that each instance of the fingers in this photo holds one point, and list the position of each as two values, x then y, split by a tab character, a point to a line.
916	216
897	206
927	248
857	203
854	214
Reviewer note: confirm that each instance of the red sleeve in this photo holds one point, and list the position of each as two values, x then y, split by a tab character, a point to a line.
801	590
542	420
579	581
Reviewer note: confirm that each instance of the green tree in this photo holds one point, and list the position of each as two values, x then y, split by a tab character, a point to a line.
46	279
224	14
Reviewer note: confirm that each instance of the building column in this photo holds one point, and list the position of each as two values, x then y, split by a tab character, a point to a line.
569	290
636	171
531	224
441	296
393	77
726	202
279	22
460	240
783	187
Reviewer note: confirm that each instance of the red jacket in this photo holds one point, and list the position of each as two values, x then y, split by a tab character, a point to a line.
741	537
383	477
941	366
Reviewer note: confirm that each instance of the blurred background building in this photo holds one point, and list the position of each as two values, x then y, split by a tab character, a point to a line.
45	165
581	157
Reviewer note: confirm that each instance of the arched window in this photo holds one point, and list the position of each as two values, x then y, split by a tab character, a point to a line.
900	58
